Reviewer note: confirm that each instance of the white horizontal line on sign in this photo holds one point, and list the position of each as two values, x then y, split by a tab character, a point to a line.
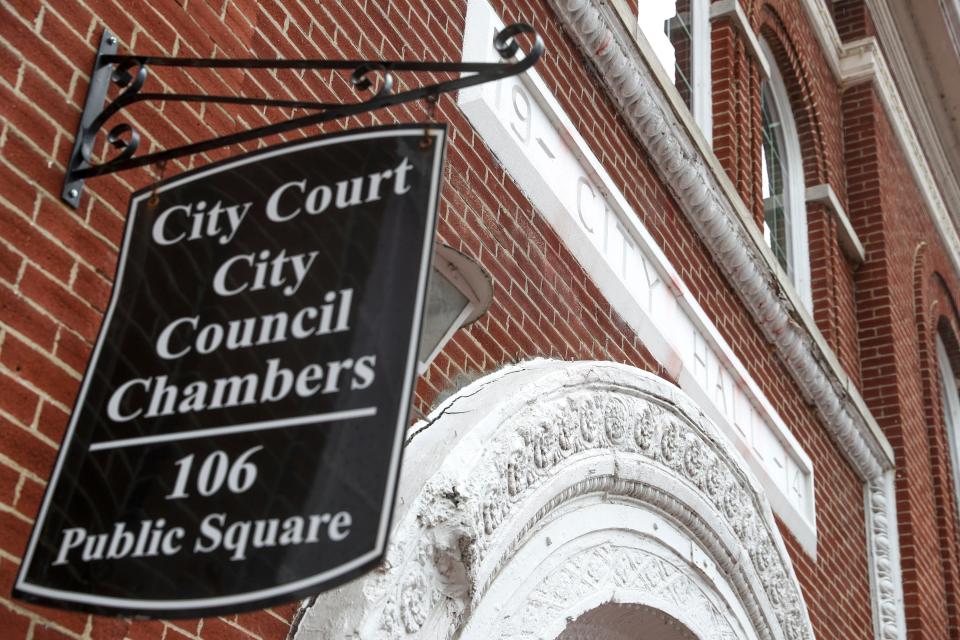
263	425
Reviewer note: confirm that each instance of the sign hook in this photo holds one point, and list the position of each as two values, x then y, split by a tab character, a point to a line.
432	99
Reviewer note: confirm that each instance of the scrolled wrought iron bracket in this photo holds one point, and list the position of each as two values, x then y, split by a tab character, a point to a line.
129	73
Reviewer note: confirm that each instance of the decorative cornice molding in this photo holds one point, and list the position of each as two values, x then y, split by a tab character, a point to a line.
849	242
536	442
713	212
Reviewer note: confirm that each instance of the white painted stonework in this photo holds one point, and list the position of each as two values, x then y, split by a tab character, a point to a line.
535	140
551	492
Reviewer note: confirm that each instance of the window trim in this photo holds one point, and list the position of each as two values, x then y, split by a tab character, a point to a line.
950	404
701	107
701	69
795	187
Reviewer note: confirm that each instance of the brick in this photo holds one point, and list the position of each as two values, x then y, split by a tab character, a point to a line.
52	421
107	223
23	236
153	24
20	194
26	448
191	627
109	628
13	623
217	629
118	21
46	632
9	479
19	153
73	351
37	369
26	117
23	317
13	533
149	630
172	633
56	31
73	310
263	625
72	622
20	402
10	263
27	10
18	37
92	288
29	498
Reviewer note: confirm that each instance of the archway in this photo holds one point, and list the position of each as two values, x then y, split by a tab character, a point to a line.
551	490
625	622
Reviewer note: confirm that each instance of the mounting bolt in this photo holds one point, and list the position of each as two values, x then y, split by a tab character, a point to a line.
112	40
73	193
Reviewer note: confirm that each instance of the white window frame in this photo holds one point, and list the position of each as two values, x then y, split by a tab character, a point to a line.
795	187
701	98
950	402
701	68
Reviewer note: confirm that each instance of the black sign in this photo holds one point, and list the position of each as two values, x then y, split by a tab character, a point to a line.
236	440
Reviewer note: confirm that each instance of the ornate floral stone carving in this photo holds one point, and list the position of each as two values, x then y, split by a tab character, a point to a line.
607	567
579	430
468	520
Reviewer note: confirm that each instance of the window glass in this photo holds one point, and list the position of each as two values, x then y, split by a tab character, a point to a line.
951	411
679	31
774	180
782	182
679	34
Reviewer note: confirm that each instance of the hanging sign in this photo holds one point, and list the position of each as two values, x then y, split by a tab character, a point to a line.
236	440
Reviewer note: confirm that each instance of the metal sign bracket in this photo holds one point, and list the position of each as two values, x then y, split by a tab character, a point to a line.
129	73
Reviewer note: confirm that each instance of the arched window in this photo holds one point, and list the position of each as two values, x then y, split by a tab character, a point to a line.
784	208
679	34
951	411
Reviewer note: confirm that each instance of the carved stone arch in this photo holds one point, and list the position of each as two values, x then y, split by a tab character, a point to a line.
551	489
797	78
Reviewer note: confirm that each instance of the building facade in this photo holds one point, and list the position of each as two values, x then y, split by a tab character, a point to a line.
714	392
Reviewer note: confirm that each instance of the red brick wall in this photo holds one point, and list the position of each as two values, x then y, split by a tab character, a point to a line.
56	264
936	314
736	76
896	231
816	102
866	315
852	19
